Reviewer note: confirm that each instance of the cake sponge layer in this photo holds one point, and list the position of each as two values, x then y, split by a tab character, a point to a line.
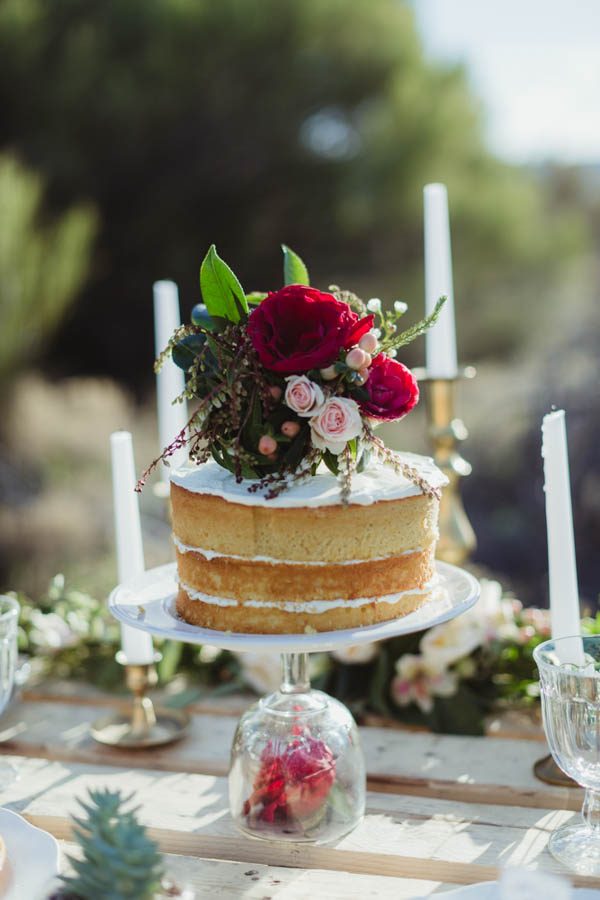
246	619
328	534
250	580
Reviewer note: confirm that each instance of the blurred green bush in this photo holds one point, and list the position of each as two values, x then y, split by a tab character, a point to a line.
249	123
43	265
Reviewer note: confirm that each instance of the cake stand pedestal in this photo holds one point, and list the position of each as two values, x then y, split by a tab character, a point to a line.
297	770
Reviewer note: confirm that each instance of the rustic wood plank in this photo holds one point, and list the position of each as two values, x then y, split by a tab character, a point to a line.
78	693
401	836
228	879
492	770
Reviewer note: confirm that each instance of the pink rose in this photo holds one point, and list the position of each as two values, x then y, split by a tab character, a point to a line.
303	396
338	422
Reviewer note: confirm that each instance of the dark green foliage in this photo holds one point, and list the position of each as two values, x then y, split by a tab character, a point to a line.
189	121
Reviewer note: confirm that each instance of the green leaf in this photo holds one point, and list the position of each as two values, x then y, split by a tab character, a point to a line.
187	349
294	270
222	293
332	462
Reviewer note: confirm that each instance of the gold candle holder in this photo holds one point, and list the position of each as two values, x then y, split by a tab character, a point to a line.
446	431
144	725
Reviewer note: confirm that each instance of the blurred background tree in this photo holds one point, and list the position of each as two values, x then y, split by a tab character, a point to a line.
42	266
248	123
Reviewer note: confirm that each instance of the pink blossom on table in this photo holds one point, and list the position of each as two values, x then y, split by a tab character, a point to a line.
303	396
418	680
538	619
338	422
267	445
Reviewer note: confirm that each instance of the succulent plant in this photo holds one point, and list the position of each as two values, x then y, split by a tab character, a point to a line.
120	861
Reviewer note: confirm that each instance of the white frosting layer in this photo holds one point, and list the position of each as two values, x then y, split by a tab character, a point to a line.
308	606
378	482
213	554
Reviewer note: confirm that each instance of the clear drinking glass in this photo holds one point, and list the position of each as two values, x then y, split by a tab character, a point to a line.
571	713
297	769
9	619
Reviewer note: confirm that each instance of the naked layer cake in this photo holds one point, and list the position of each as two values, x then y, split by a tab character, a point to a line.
293	516
303	560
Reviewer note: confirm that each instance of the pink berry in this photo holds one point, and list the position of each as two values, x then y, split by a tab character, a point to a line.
368	342
267	445
290	429
329	373
357	359
275	392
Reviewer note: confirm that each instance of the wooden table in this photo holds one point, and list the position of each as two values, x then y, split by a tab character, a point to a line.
441	811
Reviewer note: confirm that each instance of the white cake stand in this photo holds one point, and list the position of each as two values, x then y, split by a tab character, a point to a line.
148	603
297	770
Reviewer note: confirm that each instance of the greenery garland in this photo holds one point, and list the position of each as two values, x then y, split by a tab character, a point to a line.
447	678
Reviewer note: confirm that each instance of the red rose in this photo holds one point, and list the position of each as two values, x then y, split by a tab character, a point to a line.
392	389
292	785
299	328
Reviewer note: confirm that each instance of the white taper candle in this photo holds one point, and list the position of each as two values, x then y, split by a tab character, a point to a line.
170	381
562	567
440	340
135	644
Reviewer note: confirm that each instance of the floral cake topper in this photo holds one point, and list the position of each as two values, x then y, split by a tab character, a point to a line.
287	380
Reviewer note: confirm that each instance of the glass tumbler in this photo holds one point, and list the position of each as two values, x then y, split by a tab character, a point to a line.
571	713
297	768
9	619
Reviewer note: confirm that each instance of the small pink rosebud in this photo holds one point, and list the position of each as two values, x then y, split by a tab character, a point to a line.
357	359
329	373
290	429
275	392
368	342
267	445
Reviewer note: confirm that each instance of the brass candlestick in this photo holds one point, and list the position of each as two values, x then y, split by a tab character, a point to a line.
457	538
144	725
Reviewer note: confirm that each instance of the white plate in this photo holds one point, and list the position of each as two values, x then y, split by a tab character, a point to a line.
490	890
148	602
32	859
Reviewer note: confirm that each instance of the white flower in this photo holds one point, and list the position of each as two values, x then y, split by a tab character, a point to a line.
358	654
337	423
374	305
50	632
376	332
418	681
445	644
303	396
492	617
400	307
262	671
